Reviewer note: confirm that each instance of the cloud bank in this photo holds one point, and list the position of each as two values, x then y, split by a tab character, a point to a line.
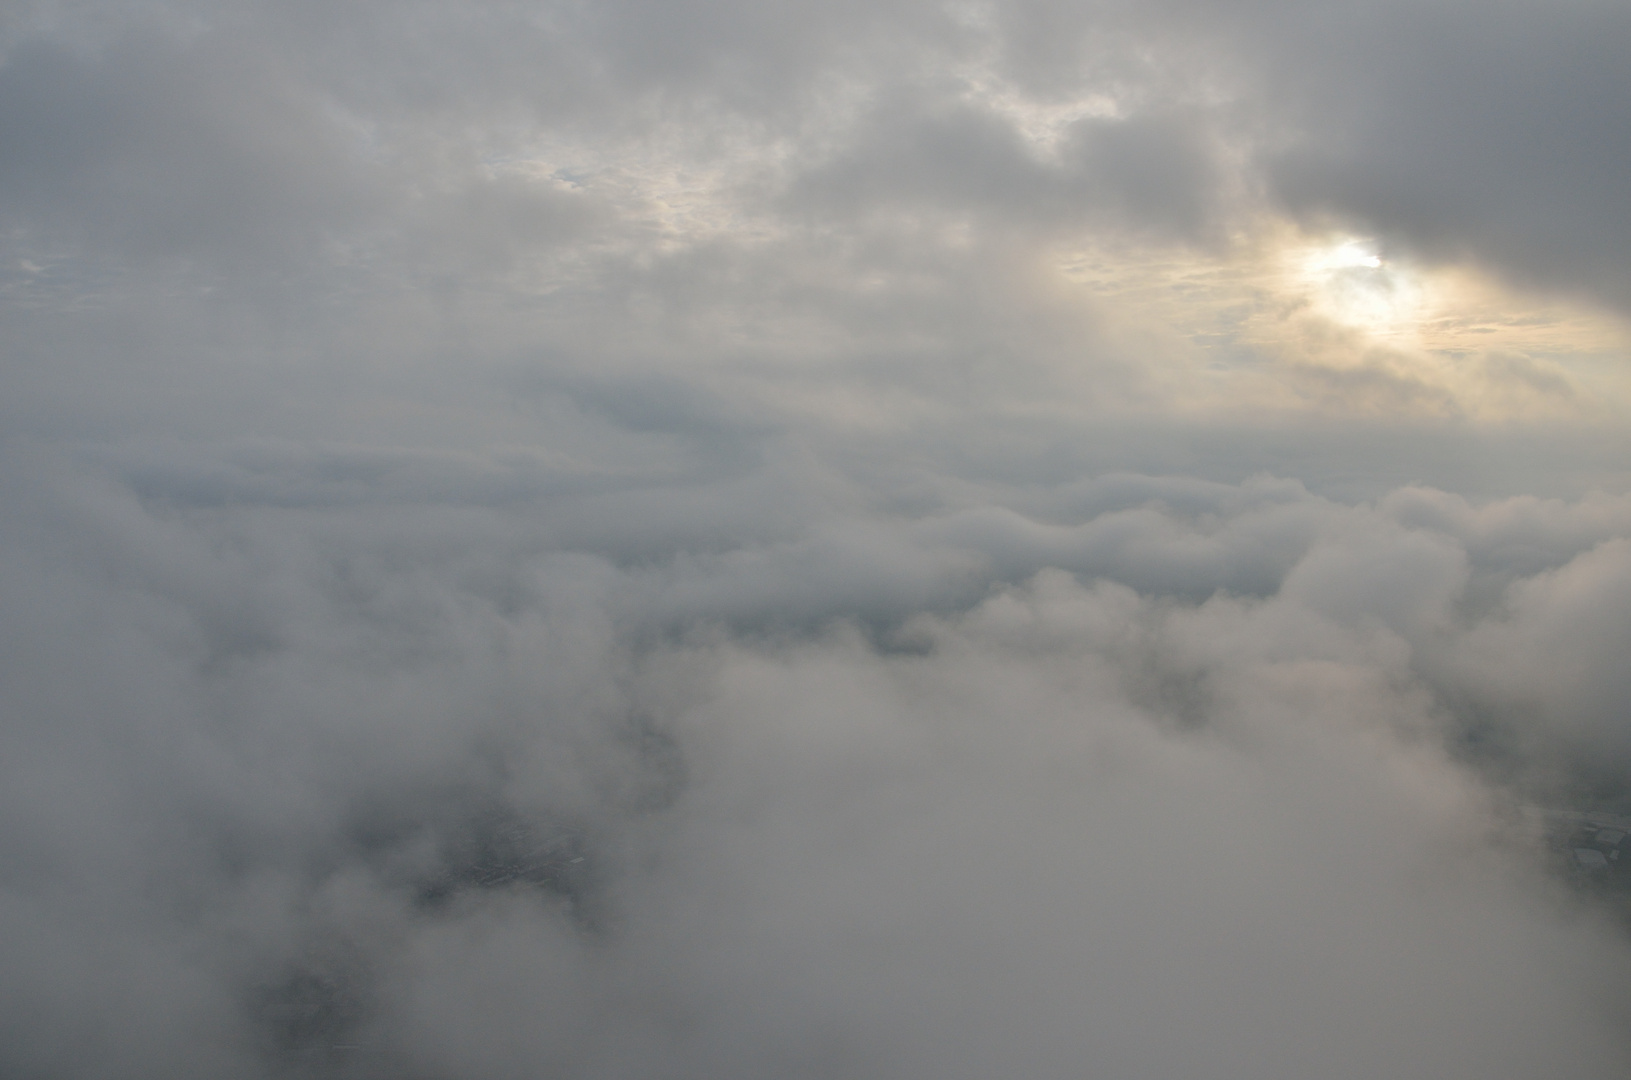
906	540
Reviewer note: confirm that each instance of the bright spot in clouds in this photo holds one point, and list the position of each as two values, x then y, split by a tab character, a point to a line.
1349	253
1350	284
1285	321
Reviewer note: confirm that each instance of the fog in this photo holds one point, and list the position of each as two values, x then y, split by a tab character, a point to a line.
905	540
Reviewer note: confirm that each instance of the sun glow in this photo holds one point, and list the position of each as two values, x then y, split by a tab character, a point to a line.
1343	256
1349	283
1291	318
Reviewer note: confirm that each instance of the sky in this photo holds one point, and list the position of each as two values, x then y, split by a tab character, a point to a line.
725	540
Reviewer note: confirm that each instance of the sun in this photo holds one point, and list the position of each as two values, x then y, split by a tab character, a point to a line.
1342	256
1290	315
1348	282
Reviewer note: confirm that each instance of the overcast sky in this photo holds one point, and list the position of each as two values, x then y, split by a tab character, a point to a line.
720	539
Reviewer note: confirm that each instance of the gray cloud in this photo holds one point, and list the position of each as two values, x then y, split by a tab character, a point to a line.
412	779
1500	132
686	540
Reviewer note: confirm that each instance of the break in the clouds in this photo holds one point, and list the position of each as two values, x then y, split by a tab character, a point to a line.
736	540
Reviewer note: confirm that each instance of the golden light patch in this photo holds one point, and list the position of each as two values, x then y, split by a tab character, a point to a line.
1351	285
1290	320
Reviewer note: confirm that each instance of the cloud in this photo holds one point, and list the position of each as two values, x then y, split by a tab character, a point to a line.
1497	133
722	540
884	795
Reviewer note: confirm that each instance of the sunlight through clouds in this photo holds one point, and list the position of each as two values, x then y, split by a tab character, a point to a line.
1447	337
712	540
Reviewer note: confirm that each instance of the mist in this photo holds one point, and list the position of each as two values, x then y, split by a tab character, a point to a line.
889	541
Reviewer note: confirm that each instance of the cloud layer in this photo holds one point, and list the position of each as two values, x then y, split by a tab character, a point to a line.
1152	776
900	540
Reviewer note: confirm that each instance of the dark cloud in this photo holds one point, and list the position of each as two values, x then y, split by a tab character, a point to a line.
1497	132
157	151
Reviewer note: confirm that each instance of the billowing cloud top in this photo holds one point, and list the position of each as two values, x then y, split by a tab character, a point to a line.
715	539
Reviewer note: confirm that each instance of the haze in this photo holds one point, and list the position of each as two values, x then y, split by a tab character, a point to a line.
733	540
